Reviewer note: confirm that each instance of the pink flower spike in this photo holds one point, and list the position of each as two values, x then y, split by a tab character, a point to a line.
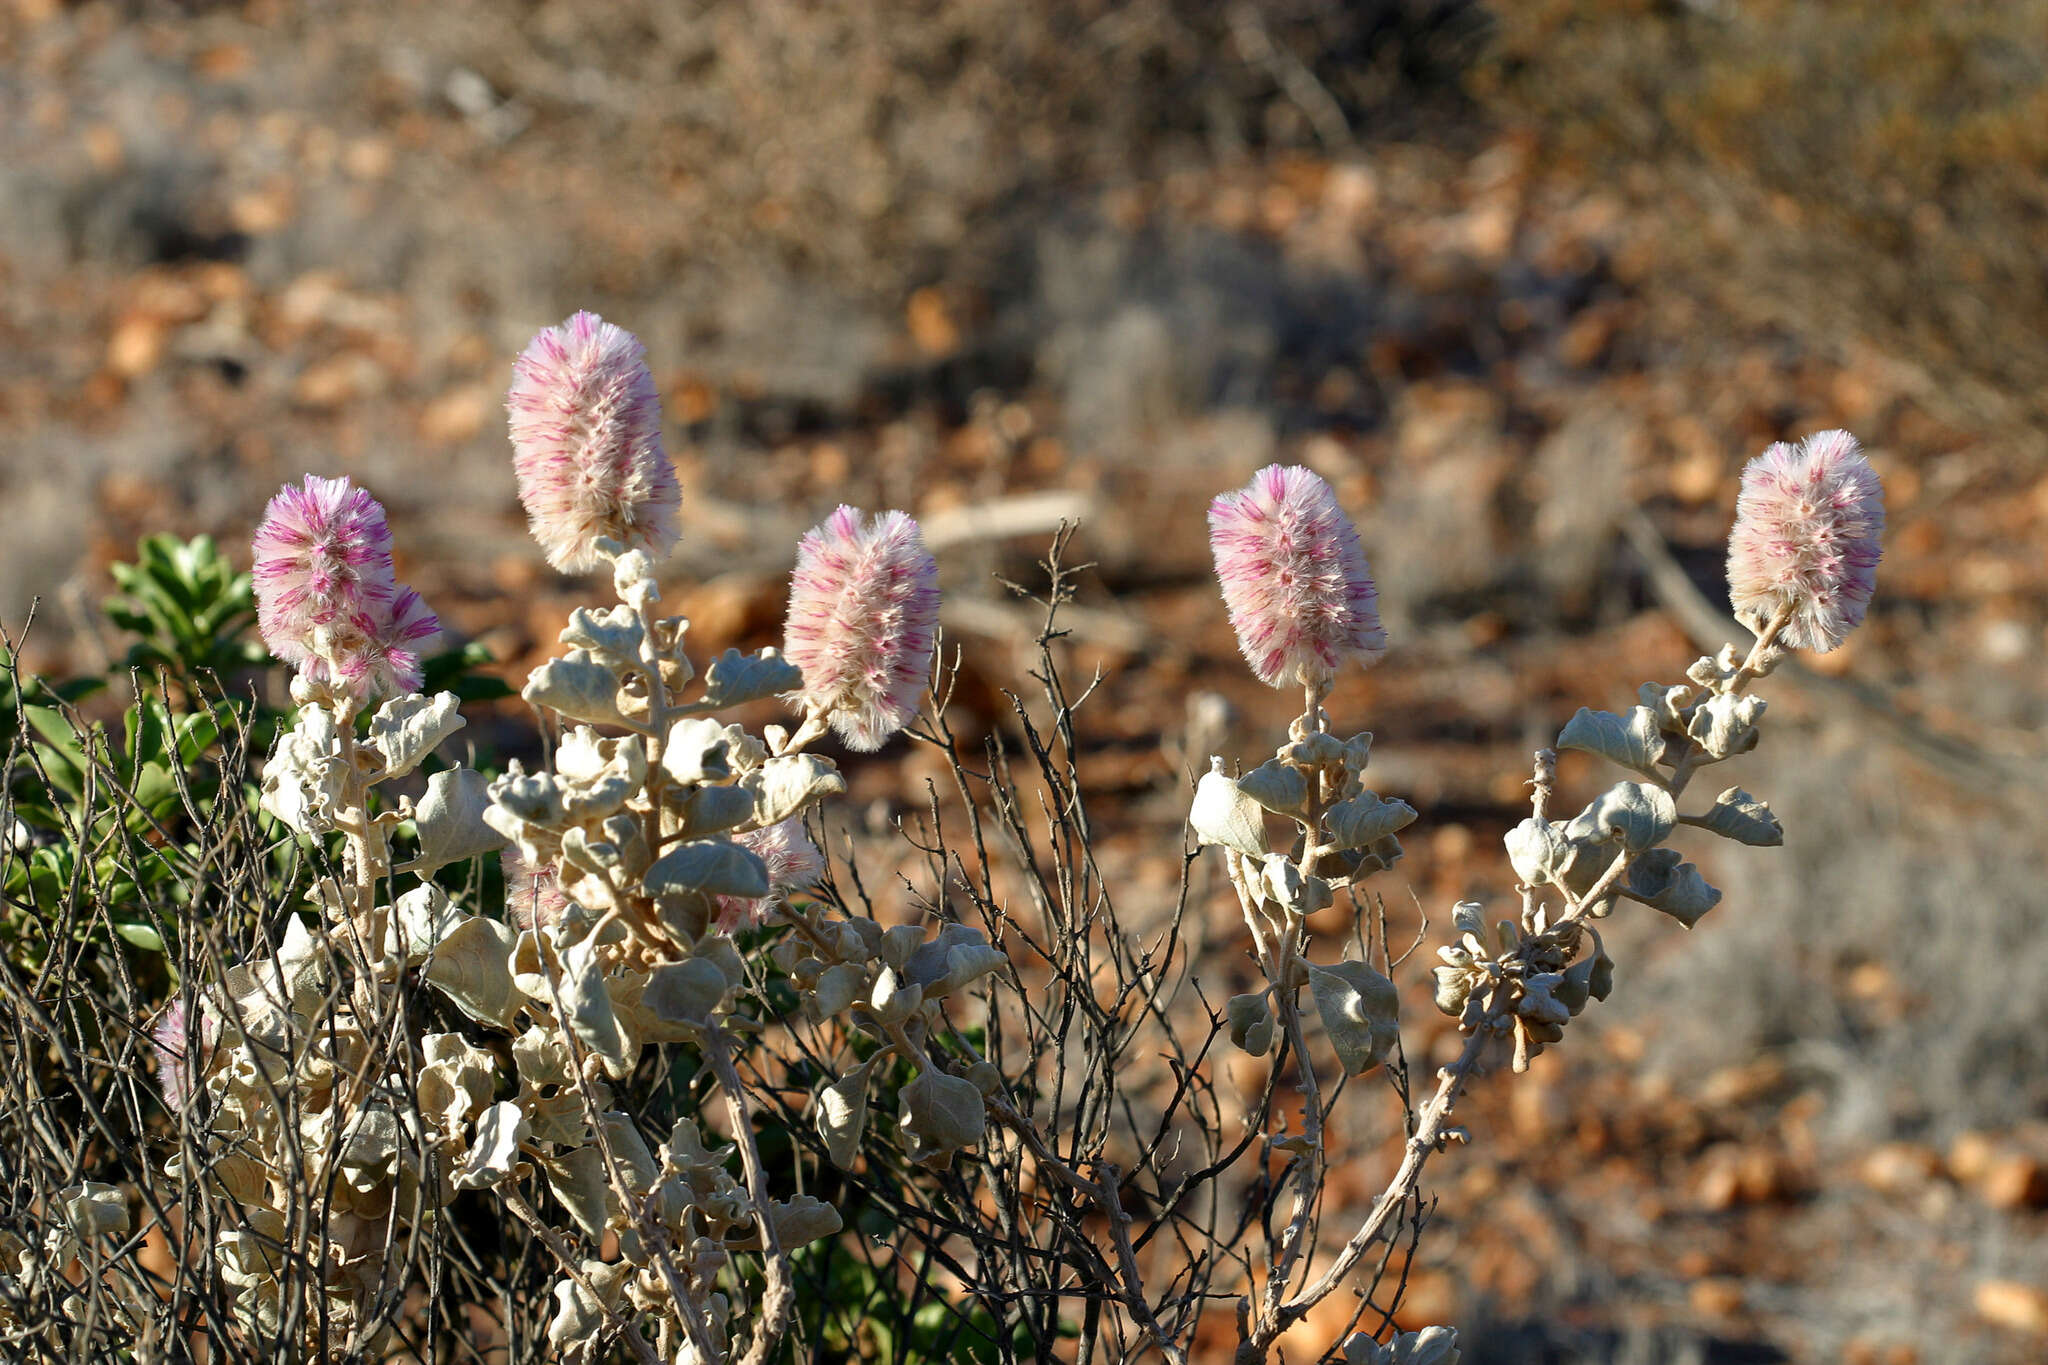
794	863
1294	578
863	620
323	554
586	443
1807	523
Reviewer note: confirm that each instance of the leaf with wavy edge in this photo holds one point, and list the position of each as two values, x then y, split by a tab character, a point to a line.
471	965
790	784
1659	879
450	820
1366	818
734	678
1635	741
1737	815
406	729
1276	786
579	687
1360	1010
1724	725
1636	814
494	1155
612	636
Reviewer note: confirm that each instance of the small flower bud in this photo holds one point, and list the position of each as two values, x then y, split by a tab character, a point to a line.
863	620
586	442
1294	577
1806	529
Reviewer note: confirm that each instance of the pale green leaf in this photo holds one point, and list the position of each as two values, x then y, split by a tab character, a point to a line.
1634	741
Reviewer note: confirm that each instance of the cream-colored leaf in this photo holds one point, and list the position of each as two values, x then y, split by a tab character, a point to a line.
408	728
471	965
790	784
578	686
1223	814
450	820
494	1153
843	1115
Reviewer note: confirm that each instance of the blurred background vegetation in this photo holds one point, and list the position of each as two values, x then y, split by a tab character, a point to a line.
1528	282
1844	171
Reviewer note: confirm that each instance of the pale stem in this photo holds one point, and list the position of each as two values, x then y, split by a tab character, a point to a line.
1597	891
1429	1129
1738	682
1287	990
657	725
1312	695
1309	1180
789	915
657	1237
574	1270
779	1295
369	859
817	720
1423	1143
1543	783
1248	900
1753	665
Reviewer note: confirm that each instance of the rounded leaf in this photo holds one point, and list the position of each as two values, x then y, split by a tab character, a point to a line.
1365	819
843	1115
1360	1011
709	867
940	1114
1634	741
1251	1022
1223	814
1635	814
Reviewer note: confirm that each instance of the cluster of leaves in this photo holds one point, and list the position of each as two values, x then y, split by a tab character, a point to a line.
116	811
106	811
139	855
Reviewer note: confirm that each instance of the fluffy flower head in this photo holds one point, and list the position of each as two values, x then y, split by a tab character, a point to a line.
323	553
325	596
1294	578
1807	524
794	863
863	619
586	444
